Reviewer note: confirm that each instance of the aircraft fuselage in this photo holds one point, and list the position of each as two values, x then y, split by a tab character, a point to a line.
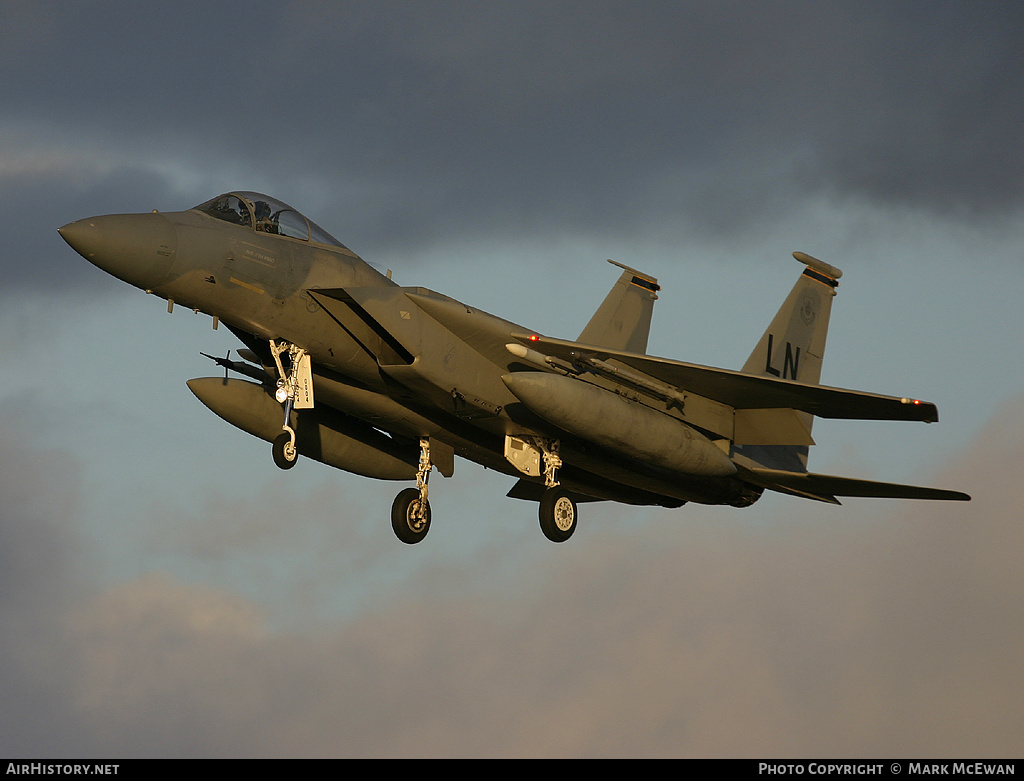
405	378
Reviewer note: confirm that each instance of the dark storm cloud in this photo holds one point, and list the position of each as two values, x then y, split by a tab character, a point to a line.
402	124
928	111
611	116
33	255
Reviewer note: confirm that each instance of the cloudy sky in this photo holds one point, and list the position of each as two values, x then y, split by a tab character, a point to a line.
166	591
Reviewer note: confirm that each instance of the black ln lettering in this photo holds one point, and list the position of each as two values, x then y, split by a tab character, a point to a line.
789	367
768	368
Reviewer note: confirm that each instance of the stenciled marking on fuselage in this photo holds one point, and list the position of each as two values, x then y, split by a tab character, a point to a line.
790	363
261	291
256	254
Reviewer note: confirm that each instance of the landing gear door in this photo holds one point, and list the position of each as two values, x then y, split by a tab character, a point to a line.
304	383
523	455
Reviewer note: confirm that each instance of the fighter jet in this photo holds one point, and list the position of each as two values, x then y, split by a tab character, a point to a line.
345	366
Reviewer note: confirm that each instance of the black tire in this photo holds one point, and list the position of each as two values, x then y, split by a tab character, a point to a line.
285	456
558	514
408	528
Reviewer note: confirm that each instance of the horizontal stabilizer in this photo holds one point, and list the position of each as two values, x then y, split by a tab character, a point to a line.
827	487
745	391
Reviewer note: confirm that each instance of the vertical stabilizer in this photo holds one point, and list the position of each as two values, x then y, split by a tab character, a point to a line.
792	348
623	321
793	345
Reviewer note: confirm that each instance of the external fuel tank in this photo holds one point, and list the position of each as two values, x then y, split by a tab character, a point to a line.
622	425
321	434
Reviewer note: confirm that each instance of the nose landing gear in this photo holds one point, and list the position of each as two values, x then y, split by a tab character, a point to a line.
286	455
294	391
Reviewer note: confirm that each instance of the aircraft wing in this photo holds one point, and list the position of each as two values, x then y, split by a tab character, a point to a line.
740	390
827	487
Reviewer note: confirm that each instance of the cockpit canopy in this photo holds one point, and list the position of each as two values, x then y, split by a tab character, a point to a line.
267	215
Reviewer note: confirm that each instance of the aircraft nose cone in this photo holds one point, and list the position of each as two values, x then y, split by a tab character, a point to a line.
138	248
78	236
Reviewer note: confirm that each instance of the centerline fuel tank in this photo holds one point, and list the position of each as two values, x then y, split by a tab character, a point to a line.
322	434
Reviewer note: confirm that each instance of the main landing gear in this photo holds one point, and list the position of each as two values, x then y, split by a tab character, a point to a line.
294	391
557	507
410	513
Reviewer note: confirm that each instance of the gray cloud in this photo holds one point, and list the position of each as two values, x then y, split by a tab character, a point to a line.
40	581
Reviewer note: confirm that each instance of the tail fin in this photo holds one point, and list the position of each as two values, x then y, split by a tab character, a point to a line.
792	348
794	344
623	321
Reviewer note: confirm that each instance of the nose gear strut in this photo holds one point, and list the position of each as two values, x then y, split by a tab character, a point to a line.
294	391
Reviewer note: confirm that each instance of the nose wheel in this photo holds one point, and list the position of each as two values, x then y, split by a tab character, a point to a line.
285	453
